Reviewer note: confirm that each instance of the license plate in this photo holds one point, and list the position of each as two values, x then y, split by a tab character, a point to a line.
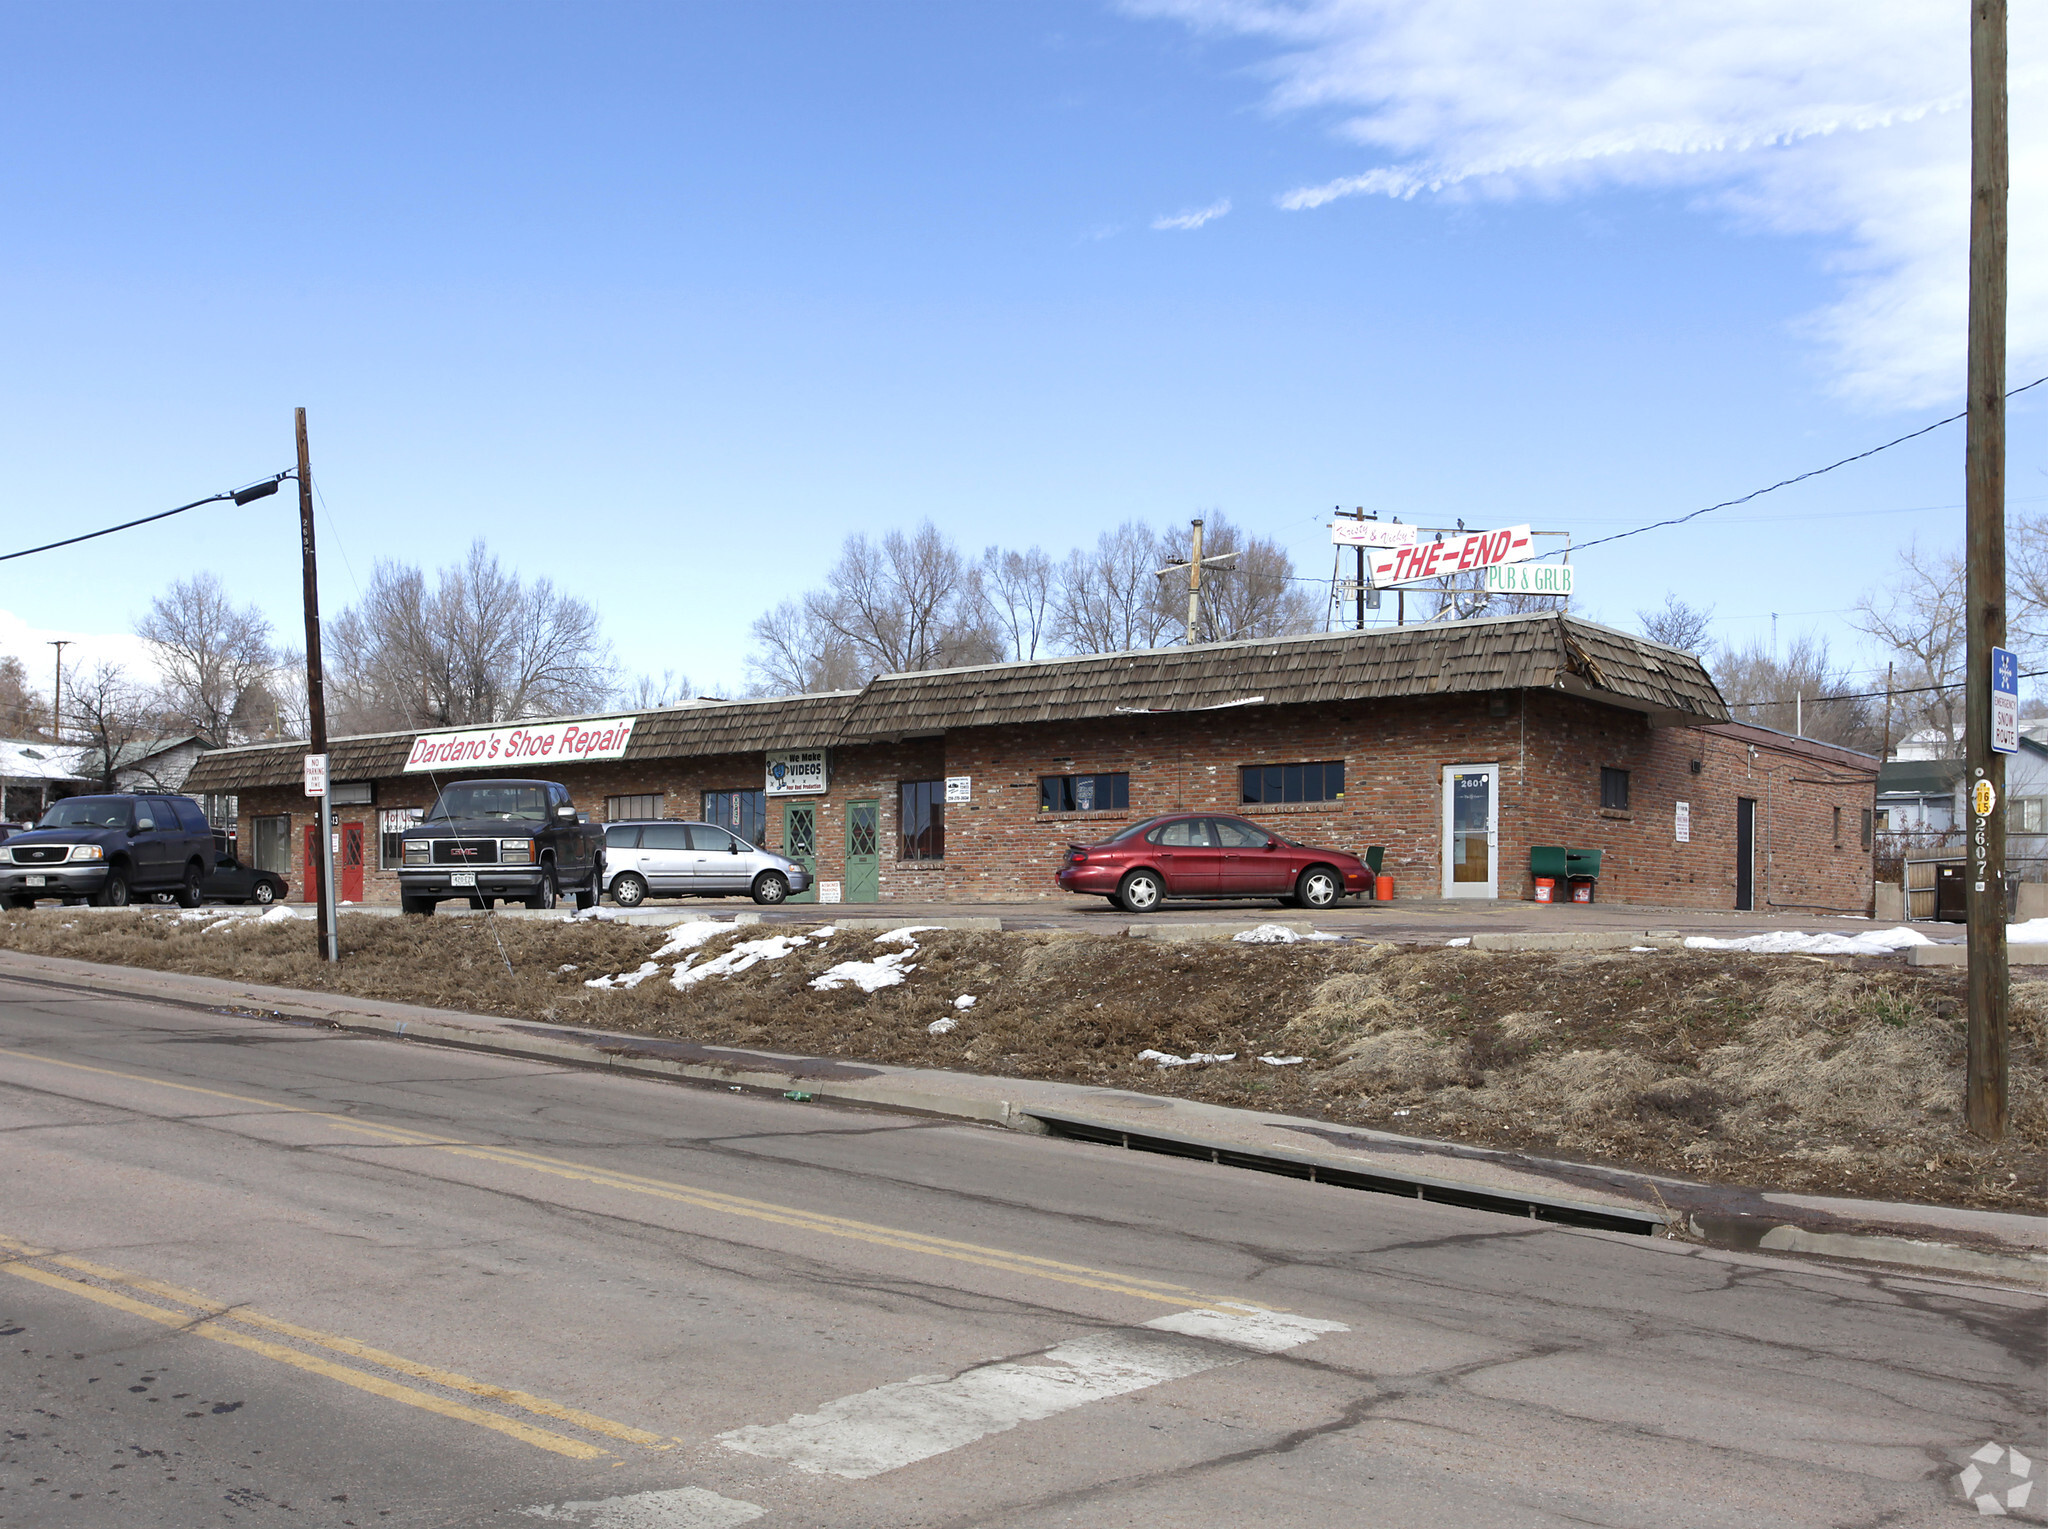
462	878
34	881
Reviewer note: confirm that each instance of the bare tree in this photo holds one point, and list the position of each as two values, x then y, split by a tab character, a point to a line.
1107	599
1804	692
481	646
647	693
796	655
1919	619
107	713
208	651
24	711
1678	625
1017	596
2026	581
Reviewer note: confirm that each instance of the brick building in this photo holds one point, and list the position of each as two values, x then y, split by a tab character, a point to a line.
1456	746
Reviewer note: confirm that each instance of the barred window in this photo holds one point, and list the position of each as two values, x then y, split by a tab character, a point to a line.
1103	792
1614	789
392	822
272	849
625	809
1322	781
921	820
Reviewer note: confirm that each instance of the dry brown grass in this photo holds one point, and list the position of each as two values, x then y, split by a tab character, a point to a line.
1838	1076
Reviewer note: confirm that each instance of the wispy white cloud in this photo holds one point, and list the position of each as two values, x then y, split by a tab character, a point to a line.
1841	119
1182	222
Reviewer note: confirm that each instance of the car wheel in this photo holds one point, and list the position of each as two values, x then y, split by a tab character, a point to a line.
544	895
263	892
1318	888
189	895
423	905
771	887
1140	892
629	891
115	893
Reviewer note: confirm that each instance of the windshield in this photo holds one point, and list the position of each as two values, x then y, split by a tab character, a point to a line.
1133	830
88	812
507	804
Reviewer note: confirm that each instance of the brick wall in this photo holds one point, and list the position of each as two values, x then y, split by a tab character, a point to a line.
1549	749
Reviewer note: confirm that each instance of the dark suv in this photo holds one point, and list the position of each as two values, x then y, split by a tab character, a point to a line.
108	849
487	839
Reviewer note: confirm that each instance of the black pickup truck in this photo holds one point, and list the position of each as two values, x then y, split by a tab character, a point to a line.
487	839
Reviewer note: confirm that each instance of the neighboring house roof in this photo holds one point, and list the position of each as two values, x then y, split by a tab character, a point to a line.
1919	777
28	760
1543	652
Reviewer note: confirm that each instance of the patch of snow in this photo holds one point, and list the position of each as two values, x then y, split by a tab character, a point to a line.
1282	1061
964	1001
868	976
1200	1058
1639	949
1463	939
689	936
567	966
905	935
625	979
1266	934
2033	932
943	1026
743	955
1790	942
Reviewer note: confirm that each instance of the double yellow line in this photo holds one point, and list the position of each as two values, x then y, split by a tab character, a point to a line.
1160	1291
207	1318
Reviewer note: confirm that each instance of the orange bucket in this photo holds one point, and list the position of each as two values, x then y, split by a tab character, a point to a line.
1546	889
1383	889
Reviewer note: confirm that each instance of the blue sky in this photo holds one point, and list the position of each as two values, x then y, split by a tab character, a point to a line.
664	301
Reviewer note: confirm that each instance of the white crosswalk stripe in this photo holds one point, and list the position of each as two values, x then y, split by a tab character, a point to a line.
910	1420
677	1508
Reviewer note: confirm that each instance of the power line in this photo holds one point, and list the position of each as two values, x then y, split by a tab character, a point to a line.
255	490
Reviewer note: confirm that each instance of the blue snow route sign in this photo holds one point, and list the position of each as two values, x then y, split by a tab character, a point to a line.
2005	701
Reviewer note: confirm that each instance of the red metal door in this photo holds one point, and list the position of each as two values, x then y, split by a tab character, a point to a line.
351	862
309	866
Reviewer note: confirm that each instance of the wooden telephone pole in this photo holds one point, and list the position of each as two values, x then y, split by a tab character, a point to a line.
1195	564
316	694
1984	475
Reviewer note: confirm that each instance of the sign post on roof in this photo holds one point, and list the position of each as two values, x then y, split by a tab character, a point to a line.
1454	554
2005	701
538	743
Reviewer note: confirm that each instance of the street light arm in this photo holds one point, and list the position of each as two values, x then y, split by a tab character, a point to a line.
240	496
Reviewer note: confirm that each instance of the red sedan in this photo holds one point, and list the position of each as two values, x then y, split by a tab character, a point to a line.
1199	854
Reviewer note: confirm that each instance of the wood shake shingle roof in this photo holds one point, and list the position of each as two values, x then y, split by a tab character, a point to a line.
1540	652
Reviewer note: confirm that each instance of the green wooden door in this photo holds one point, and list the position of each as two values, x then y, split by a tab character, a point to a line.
863	852
800	843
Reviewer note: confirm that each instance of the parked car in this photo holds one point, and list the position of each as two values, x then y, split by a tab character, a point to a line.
664	858
487	839
230	881
1206	855
107	849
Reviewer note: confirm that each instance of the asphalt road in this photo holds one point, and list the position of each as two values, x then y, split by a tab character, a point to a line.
270	1274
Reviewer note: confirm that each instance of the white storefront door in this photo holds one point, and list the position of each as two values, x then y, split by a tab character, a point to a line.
1471	857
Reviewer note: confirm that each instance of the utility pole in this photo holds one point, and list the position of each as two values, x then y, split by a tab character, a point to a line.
316	696
1196	563
1886	752
1984	495
57	693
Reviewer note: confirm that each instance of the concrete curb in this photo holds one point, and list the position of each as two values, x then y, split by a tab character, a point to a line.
1178	932
1984	1244
2029	954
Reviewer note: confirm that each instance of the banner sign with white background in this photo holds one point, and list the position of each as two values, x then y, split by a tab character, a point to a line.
491	748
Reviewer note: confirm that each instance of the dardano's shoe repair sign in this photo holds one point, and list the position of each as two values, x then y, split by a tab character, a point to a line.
540	743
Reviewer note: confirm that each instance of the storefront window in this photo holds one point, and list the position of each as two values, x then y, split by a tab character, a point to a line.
271	849
392	822
626	809
1319	782
1085	793
922	819
743	812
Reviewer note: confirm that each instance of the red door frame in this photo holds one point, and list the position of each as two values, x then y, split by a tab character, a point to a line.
351	867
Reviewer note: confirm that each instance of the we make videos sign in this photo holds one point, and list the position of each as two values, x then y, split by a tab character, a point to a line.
491	748
1454	554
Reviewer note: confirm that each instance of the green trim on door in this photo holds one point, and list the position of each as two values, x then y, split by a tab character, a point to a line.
800	843
863	852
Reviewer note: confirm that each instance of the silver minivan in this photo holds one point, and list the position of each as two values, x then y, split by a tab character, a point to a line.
664	858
